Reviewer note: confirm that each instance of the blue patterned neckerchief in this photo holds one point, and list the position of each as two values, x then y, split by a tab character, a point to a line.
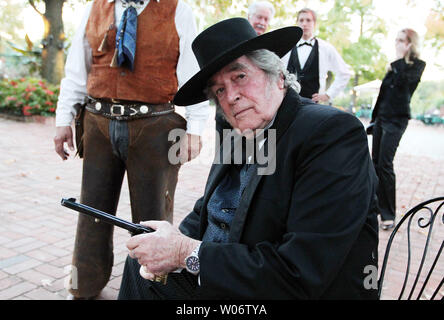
126	37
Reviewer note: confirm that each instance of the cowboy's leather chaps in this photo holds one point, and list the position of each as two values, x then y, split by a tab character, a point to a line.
111	147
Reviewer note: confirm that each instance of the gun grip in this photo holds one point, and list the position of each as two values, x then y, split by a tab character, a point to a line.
141	229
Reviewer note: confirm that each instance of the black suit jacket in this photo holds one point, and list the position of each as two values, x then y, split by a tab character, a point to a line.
308	230
397	88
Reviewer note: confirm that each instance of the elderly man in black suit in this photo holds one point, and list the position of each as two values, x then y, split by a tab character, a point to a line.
302	228
260	14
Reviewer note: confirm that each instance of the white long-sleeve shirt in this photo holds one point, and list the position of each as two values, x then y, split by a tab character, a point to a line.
79	60
329	60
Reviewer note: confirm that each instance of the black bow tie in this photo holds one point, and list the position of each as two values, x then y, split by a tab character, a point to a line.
305	43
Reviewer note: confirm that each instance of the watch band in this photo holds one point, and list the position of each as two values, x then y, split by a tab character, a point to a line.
196	250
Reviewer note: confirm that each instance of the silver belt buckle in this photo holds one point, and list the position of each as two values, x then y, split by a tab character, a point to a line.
114	112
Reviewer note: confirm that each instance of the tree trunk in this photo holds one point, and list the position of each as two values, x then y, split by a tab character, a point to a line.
53	58
355	95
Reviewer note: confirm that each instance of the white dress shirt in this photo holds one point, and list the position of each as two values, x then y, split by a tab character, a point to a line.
304	50
79	60
329	60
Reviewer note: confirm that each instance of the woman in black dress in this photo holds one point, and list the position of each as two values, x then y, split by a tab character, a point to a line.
390	118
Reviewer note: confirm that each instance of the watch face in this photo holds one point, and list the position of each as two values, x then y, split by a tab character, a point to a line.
193	264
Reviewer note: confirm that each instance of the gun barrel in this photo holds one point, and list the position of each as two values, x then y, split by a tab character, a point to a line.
105	217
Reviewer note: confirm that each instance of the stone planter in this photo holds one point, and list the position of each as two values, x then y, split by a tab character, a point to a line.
34	118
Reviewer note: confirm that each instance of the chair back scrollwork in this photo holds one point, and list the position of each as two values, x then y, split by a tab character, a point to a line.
415	248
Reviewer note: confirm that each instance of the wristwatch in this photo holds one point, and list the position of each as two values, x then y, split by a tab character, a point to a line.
192	263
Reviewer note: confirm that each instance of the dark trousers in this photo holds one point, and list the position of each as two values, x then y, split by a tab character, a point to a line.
111	148
179	286
386	137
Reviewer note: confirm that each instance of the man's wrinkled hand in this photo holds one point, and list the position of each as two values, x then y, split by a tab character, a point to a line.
63	135
161	251
190	146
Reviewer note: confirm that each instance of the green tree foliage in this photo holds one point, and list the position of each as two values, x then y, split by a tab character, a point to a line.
435	25
428	96
364	54
11	26
17	53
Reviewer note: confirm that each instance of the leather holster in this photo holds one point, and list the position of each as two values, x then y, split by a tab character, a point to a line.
78	126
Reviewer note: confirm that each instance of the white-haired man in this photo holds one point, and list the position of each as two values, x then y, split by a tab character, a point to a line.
260	14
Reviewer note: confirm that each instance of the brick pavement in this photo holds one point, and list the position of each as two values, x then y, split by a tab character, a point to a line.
37	234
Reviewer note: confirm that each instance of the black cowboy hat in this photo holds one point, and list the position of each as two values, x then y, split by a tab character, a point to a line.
223	43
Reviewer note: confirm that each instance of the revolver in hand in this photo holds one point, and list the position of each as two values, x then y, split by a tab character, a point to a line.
133	228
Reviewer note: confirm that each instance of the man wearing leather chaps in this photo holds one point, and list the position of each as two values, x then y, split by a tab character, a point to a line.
128	59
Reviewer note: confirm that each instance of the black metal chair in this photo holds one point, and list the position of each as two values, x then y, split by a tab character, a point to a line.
427	277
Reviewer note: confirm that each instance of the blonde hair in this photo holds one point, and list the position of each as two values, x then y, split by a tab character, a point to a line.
413	38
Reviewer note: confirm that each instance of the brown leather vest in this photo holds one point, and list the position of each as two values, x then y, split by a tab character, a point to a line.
154	77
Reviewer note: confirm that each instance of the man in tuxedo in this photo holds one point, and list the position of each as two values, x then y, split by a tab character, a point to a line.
306	229
311	60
